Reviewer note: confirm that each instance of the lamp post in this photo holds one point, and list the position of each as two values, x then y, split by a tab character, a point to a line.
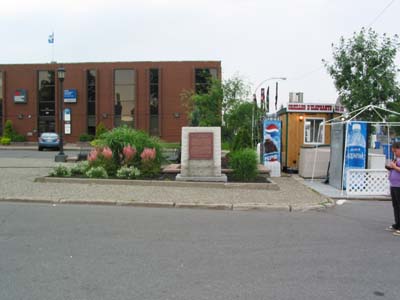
61	157
253	121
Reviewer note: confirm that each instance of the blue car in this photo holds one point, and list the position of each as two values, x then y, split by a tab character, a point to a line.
49	140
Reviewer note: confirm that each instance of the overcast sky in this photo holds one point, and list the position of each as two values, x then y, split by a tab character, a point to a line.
256	39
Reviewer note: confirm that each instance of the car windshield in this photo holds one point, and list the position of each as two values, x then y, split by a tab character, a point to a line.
49	135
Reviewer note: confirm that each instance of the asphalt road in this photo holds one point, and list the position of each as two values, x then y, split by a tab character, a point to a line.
46	153
100	252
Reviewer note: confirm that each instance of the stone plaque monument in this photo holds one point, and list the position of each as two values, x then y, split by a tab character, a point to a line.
201	155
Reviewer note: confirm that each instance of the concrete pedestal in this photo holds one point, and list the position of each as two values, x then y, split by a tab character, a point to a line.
201	155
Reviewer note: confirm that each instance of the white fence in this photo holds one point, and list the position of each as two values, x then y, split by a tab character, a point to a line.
367	182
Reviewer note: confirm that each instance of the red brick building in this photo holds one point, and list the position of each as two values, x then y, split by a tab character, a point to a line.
142	95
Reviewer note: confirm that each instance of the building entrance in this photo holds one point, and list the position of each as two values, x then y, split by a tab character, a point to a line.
46	124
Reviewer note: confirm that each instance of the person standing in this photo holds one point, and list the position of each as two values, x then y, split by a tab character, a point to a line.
394	179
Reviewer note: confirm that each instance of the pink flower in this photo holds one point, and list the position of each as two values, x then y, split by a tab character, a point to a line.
129	152
92	156
148	154
107	153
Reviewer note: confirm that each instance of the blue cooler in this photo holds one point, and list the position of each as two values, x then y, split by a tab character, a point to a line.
387	150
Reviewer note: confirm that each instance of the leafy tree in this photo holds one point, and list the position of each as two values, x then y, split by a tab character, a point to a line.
239	122
364	70
204	108
218	105
208	105
235	91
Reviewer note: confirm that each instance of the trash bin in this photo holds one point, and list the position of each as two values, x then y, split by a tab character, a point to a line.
387	150
377	145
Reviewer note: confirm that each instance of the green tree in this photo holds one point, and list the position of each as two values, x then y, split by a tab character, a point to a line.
208	105
235	91
213	107
364	70
204	108
238	125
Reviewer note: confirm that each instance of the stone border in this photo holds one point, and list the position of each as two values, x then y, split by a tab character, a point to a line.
194	205
163	183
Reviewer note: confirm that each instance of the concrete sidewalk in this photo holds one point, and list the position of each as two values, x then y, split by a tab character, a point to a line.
331	192
17	183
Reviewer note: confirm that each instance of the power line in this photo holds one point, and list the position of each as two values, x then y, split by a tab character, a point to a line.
381	13
304	75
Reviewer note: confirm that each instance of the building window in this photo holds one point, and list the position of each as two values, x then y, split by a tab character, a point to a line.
314	131
154	102
46	101
1	103
124	97
203	80
91	98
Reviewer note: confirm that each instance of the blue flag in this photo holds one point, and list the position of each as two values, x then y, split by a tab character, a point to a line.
51	38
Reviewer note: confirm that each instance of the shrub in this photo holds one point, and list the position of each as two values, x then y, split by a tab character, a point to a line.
128	173
86	137
97	143
97	172
123	136
80	168
8	129
149	168
242	140
103	157
244	164
100	129
18	138
60	171
128	153
5	141
9	132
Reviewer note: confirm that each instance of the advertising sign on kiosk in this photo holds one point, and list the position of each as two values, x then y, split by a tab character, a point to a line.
356	147
272	146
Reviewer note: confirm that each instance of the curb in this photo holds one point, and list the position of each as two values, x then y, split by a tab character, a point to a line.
188	184
210	206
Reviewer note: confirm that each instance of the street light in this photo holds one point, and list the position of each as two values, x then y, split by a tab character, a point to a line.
255	100
61	157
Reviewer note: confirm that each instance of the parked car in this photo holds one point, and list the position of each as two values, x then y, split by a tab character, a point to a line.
49	140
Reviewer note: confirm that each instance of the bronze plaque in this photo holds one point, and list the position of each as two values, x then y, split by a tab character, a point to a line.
201	145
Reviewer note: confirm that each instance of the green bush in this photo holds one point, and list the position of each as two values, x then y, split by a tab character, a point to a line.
244	164
60	171
86	137
98	143
128	173
18	138
225	146
9	132
8	129
242	140
119	137
101	161
5	141
149	169
100	129
97	172
80	168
